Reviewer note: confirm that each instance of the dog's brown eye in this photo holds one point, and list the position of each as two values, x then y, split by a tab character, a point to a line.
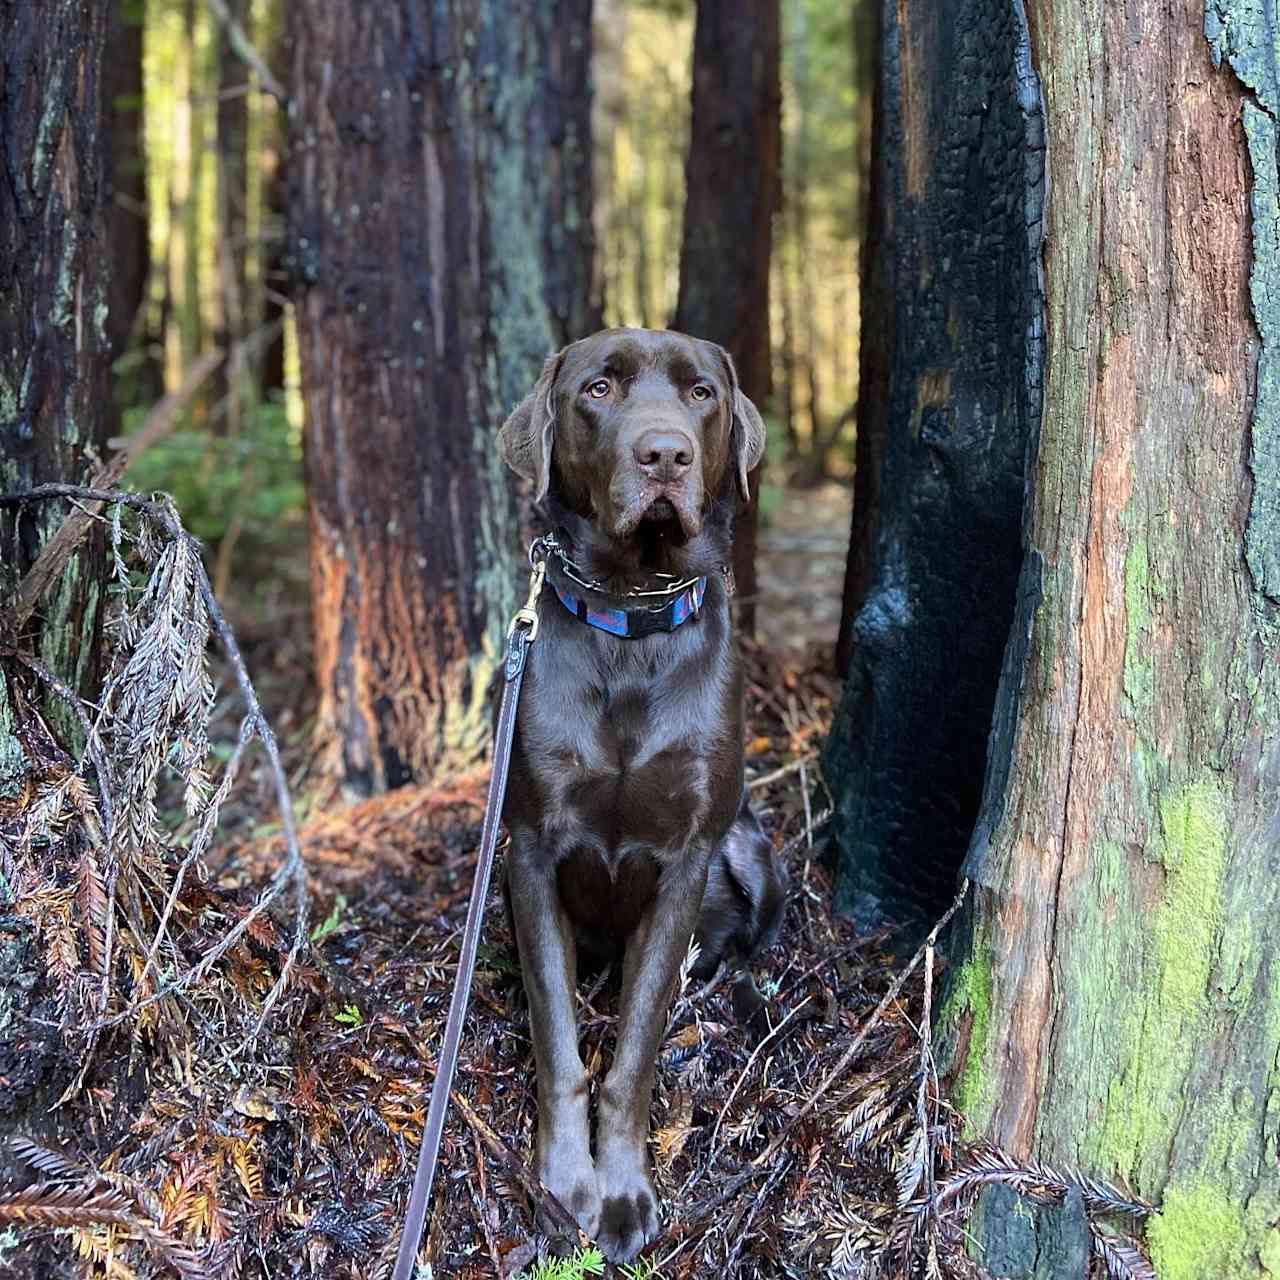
701	392
599	389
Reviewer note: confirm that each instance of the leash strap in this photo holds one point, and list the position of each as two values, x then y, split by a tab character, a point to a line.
523	631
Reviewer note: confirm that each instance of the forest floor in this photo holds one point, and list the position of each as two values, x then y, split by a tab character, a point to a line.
800	568
799	1126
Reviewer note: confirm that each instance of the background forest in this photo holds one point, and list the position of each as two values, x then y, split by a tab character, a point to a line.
1001	275
199	218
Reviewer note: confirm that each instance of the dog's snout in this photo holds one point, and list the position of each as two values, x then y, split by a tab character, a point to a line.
664	452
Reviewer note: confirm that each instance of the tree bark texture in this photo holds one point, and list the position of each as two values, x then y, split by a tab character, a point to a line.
54	358
732	192
126	206
236	308
952	345
54	350
1116	1002
440	234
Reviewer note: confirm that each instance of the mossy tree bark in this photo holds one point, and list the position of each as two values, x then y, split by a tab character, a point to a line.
952	313
1116	1002
54	358
54	350
440	236
732	192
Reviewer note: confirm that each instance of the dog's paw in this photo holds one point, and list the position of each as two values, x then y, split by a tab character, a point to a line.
571	1178
629	1211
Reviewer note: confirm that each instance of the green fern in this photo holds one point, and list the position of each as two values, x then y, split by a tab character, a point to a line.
643	1269
589	1262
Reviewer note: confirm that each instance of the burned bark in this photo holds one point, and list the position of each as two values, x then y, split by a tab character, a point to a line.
1116	1005
733	191
440	232
951	351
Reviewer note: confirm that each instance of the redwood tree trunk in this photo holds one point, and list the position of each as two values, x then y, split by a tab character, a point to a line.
54	352
440	233
732	192
126	208
949	396
1117	1007
236	315
54	358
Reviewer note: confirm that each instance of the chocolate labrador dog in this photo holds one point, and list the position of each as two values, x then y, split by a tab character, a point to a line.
630	829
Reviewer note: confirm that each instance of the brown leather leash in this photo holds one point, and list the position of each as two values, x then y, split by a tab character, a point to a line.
520	635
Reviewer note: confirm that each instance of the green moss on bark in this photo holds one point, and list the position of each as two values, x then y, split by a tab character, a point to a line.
1197	1234
968	996
1166	972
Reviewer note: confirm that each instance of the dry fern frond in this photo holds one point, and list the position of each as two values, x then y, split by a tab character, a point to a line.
1121	1259
59	1206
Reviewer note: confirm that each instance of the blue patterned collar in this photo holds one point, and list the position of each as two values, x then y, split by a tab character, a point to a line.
636	621
655	610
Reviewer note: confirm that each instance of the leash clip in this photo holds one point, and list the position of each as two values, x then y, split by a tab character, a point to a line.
528	616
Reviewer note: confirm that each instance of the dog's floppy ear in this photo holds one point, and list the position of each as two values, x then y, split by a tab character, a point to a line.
526	437
747	433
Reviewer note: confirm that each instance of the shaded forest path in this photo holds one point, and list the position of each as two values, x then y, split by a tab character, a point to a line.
800	567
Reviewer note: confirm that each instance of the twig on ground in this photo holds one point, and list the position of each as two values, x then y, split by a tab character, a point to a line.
733	1093
855	1047
744	1232
515	1168
783	771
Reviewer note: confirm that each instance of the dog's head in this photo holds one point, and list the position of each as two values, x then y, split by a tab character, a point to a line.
633	425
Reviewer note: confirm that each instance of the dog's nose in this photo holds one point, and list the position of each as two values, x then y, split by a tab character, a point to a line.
664	454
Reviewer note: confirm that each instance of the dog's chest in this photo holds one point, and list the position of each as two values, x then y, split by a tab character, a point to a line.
625	762
634	774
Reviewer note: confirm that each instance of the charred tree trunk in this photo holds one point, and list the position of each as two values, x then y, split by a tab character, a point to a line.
733	191
1118	1002
440	239
54	358
126	212
951	354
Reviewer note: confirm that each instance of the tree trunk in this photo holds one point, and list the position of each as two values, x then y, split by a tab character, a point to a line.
732	192
54	358
54	350
873	284
274	214
440	240
1117	1007
949	396
231	383
128	234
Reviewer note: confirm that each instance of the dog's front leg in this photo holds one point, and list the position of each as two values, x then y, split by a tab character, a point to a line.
629	1211
548	962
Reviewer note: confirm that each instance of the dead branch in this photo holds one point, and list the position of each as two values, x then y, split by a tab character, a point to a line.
59	549
292	871
859	1040
515	1168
